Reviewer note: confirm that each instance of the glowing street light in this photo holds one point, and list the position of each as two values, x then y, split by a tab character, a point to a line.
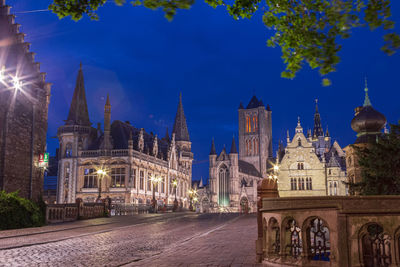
101	173
16	83
276	168
175	184
192	195
155	180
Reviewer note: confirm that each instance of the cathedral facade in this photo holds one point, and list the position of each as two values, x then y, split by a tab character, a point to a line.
233	176
122	161
311	165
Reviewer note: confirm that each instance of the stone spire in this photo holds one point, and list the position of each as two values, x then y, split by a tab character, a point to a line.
233	146
180	127
317	131
213	150
166	137
367	102
78	112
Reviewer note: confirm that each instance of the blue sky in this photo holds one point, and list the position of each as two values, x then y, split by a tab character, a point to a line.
144	61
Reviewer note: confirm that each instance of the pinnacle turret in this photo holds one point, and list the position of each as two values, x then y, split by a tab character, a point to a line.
233	147
78	112
213	150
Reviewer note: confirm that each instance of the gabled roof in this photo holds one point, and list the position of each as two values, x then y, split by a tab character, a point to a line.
78	111
180	127
247	168
121	131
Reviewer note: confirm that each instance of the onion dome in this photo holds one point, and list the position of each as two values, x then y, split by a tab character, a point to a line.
367	121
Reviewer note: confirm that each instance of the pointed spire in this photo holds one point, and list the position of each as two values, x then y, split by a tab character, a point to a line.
287	137
78	111
108	100
317	131
213	150
299	129
367	102
327	131
201	182
180	127
233	146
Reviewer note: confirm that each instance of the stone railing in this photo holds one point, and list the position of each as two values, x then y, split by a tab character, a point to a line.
56	213
330	231
129	209
119	152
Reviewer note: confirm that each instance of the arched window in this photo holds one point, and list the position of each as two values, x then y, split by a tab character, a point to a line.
274	239
310	183
248	124
302	183
318	242
375	246
254	147
294	248
293	184
330	189
67	173
300	166
223	190
299	142
255	124
329	171
68	150
335	188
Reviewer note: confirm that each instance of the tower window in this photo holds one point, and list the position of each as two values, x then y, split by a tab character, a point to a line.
68	150
300	166
299	142
248	124
255	124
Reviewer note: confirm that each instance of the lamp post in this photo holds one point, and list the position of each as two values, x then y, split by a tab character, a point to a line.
155	180
101	174
175	184
192	194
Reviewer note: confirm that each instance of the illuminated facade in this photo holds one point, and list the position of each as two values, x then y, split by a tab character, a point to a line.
234	176
311	166
121	161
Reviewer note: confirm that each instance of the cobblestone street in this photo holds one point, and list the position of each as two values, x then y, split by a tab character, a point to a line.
183	239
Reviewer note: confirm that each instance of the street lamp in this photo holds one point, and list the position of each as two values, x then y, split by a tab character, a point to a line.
155	180
192	195
101	174
175	184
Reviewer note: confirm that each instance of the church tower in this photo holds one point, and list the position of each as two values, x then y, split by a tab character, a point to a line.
73	136
255	134
182	140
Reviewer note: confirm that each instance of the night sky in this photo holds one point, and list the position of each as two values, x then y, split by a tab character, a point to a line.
144	61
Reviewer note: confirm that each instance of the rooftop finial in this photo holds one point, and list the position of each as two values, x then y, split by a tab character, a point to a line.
316	105
80	65
367	102
298	121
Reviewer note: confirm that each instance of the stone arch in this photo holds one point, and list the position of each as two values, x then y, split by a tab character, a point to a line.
374	245
397	245
316	234
291	239
273	238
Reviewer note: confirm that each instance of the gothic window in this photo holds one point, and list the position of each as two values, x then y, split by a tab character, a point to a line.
68	150
257	147
66	181
329	171
307	184
89	178
141	180
149	181
255	124
300	166
376	247
301	183
248	124
254	147
310	181
117	177
299	142
295	246
335	188
318	240
134	178
223	182
293	184
163	183
330	188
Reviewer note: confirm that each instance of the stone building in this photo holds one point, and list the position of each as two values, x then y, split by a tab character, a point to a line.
234	175
368	123
312	165
24	100
121	161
